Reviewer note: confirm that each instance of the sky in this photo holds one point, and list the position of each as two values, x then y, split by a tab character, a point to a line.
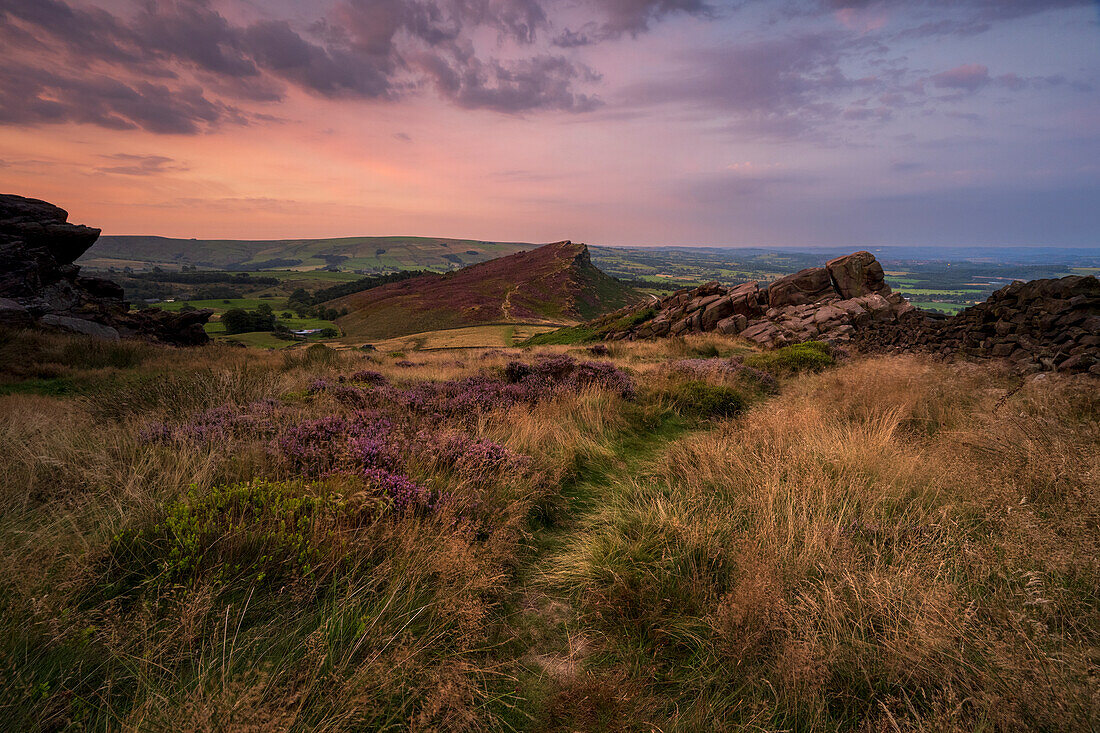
621	122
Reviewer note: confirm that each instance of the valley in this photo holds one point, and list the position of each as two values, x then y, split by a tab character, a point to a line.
945	280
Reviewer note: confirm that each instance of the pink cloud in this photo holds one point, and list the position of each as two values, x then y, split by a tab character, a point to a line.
968	77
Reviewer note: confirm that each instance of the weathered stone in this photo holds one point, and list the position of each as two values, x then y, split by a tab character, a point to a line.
857	274
1078	363
715	312
14	315
39	282
733	325
806	286
79	325
829	313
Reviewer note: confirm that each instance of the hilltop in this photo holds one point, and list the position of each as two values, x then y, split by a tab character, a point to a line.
361	253
556	282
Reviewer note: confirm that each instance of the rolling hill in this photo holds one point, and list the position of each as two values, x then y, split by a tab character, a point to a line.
357	253
553	283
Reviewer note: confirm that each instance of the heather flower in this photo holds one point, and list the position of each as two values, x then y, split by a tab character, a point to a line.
469	456
328	443
317	386
353	396
375	451
368	376
216	425
405	493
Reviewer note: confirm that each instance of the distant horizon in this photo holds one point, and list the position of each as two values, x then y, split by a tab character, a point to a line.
1095	247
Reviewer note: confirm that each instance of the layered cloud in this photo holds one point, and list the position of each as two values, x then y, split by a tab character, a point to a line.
182	67
530	119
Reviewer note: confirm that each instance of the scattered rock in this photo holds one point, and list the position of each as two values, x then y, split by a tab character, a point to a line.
1042	325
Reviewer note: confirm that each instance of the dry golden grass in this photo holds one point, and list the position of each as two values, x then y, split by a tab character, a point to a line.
893	544
880	546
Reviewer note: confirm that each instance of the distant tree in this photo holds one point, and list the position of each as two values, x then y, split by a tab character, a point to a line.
264	309
237	320
286	315
329	333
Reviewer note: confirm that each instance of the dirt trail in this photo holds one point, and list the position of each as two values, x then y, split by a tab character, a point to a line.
553	635
506	305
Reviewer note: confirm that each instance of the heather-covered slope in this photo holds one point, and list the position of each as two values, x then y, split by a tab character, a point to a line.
556	282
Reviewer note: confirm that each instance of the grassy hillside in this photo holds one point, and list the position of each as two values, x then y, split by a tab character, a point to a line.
354	253
556	283
684	535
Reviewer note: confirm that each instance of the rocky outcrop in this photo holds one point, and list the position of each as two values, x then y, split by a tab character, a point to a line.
1039	325
41	287
828	303
1042	325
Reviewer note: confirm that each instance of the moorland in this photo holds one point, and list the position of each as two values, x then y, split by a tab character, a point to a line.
681	534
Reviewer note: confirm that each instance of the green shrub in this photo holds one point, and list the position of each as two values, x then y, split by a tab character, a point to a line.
708	400
313	356
257	533
811	356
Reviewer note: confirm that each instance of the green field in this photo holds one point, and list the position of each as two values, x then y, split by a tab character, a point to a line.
259	339
222	305
929	305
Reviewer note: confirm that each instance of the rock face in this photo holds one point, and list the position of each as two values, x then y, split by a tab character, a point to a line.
827	303
857	274
41	287
1039	325
1042	325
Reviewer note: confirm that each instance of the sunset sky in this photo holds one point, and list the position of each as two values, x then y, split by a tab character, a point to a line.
635	122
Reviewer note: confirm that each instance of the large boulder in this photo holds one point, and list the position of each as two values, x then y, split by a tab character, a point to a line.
40	285
857	274
805	286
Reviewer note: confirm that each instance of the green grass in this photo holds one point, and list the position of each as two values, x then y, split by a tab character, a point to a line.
51	387
931	305
259	340
222	305
811	356
592	331
702	399
937	291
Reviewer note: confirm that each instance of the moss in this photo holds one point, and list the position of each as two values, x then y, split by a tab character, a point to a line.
811	356
703	399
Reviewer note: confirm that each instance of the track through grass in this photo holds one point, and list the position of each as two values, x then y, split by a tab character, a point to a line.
550	639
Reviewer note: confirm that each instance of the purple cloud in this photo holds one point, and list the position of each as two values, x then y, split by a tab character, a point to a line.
168	58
